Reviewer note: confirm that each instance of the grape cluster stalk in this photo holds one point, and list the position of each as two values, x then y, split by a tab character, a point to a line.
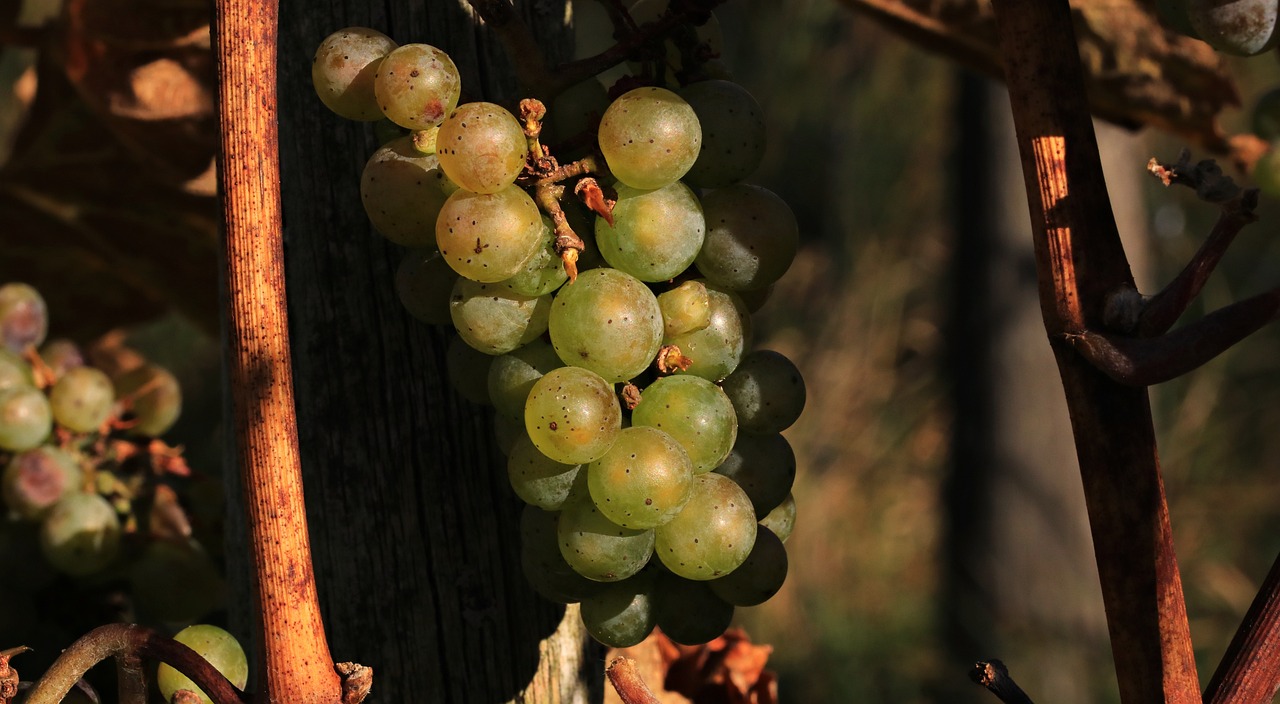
611	331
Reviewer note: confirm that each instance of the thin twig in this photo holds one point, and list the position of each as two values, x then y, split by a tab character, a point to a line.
626	680
1250	669
993	675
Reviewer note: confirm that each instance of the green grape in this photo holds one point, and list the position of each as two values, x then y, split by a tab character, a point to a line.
544	566
572	415
468	370
576	111
650	137
598	548
343	70
1266	115
14	371
714	532
401	192
61	355
488	237
1239	27
607	321
621	614
155	397
655	233
82	399
643	480
544	272
751	240
175	582
37	479
24	318
764	466
759	577
424	282
508	431
417	86
513	375
782	519
767	392
733	133
685	309
494	320
688	612
219	648
716	349
25	418
695	412
538	480
81	534
482	147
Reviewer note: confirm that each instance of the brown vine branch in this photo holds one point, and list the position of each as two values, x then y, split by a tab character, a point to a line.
1250	669
993	675
130	643
626	681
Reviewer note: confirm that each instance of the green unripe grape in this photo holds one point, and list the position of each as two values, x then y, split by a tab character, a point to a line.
35	480
598	548
155	398
695	412
24	317
494	320
417	85
714	532
767	392
81	534
752	237
82	399
572	415
539	480
175	582
685	309
468	370
650	137
655	234
219	648
733	133
621	614
424	283
513	375
643	480
401	193
1239	27
759	577
717	348
782	519
25	418
688	612
482	147
343	69
488	237
544	566
764	466
607	321
14	371
544	272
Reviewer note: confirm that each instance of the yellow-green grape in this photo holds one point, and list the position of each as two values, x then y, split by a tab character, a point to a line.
620	614
218	647
14	371
685	309
782	519
35	480
155	398
716	349
687	611
752	237
175	582
424	282
643	480
539	480
494	320
81	534
513	375
607	321
343	69
24	318
82	399
714	532
655	234
401	194
25	418
544	272
733	133
417	86
572	415
759	577
598	548
544	566
650	137
482	147
695	412
488	237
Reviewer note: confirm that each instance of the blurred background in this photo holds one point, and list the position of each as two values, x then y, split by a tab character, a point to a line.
940	517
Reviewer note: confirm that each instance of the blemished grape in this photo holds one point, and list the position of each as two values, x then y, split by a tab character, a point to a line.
482	147
401	193
35	480
751	239
61	355
598	548
24	318
764	466
716	349
607	321
782	519
175	582
685	309
81	534
544	566
82	399
424	282
621	614
767	392
468	370
1266	115
14	371
494	320
695	412
650	137
343	70
759	577
218	647
25	418
655	234
488	237
155	398
513	375
572	415
643	480
688	612
539	480
544	272
417	86
714	532
733	133
1240	27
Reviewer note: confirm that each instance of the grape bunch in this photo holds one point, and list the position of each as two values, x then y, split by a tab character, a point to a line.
611	331
85	476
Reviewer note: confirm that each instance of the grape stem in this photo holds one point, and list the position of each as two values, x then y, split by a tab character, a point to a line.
567	243
1250	669
626	681
993	675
